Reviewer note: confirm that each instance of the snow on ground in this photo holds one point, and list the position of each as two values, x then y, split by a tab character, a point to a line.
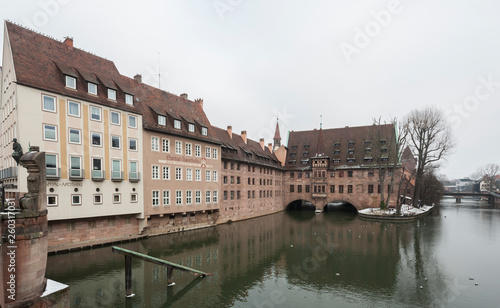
406	210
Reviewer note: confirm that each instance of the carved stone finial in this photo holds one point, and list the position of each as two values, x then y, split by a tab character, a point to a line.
17	151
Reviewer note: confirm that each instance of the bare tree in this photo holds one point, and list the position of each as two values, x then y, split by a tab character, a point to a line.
487	173
431	138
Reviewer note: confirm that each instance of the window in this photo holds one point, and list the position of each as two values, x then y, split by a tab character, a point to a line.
132	121
189	174
178	197
133	198
349	174
207	196
98	199
155	173
115	142
215	197
191	128
132	144
177	124
370	173
178	147
155	144
349	189
166	173
133	173
207	152
166	198
332	188
214	176
71	82
156	198
52	200
96	139
188	149
49	104
112	94
117	198
207	175
292	188
165	145
350	151
73	109
76	199
214	153
204	131
341	189
197	175
299	188
129	99
92	88
95	113
197	150
370	189
97	172
162	120
116	169
308	188
115	118
178	173
197	196
74	135
292	174
189	197
49	132
75	167
51	165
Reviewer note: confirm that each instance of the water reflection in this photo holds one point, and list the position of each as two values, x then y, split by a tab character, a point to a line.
289	259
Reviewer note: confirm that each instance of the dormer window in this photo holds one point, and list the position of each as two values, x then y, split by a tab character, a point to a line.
350	152
204	131
129	99
191	128
162	120
112	94
177	124
71	82
92	88
350	143
336	144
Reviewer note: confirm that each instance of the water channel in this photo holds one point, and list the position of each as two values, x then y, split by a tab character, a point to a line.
303	259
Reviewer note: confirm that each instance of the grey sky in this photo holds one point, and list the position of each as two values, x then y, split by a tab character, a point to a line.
253	60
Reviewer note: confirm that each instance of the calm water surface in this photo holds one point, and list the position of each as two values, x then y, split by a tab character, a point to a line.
302	259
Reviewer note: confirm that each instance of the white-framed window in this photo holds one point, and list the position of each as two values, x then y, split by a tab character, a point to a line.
191	128
178	197
155	172
189	197
207	175
214	176
215	196
76	199
95	113
116	169
166	198
155	144
97	171
74	135
188	149
92	88
52	200
115	118
197	175
132	121
197	150
117	198
51	165
178	173
166	173
75	166
177	124
73	109
129	99
133	198
208	196
197	196
162	120
156	197
71	82
178	147
165	145
48	103
204	131
96	139
112	94
207	152
115	142
49	132
132	144
133	170
189	174
214	153
98	199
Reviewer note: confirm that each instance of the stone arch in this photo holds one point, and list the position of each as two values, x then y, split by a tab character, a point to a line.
301	204
343	205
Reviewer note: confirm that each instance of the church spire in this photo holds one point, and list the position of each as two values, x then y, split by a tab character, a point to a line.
277	136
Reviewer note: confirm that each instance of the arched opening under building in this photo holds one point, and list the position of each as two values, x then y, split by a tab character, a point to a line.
301	205
340	206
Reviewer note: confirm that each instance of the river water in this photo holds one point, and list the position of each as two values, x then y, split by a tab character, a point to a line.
303	259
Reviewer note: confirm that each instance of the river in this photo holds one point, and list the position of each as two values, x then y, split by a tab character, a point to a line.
303	259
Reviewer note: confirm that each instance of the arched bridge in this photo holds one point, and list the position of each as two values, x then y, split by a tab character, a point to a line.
492	197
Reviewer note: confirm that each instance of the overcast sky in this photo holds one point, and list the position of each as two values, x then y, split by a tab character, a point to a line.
350	61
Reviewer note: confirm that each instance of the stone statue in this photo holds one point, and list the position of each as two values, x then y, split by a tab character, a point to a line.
18	151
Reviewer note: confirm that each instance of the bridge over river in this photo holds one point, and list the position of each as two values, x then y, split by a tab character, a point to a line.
492	197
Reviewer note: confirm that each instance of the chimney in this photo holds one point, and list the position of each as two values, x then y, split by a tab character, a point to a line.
199	101
68	41
262	144
230	131
244	136
184	96
270	147
138	78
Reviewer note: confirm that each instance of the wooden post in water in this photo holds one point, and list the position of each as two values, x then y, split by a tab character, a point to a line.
128	276
170	276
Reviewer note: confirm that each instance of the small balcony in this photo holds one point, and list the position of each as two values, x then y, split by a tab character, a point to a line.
98	175
53	173
76	174
134	176
116	176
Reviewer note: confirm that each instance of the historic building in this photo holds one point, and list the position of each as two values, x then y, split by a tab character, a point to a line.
78	109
